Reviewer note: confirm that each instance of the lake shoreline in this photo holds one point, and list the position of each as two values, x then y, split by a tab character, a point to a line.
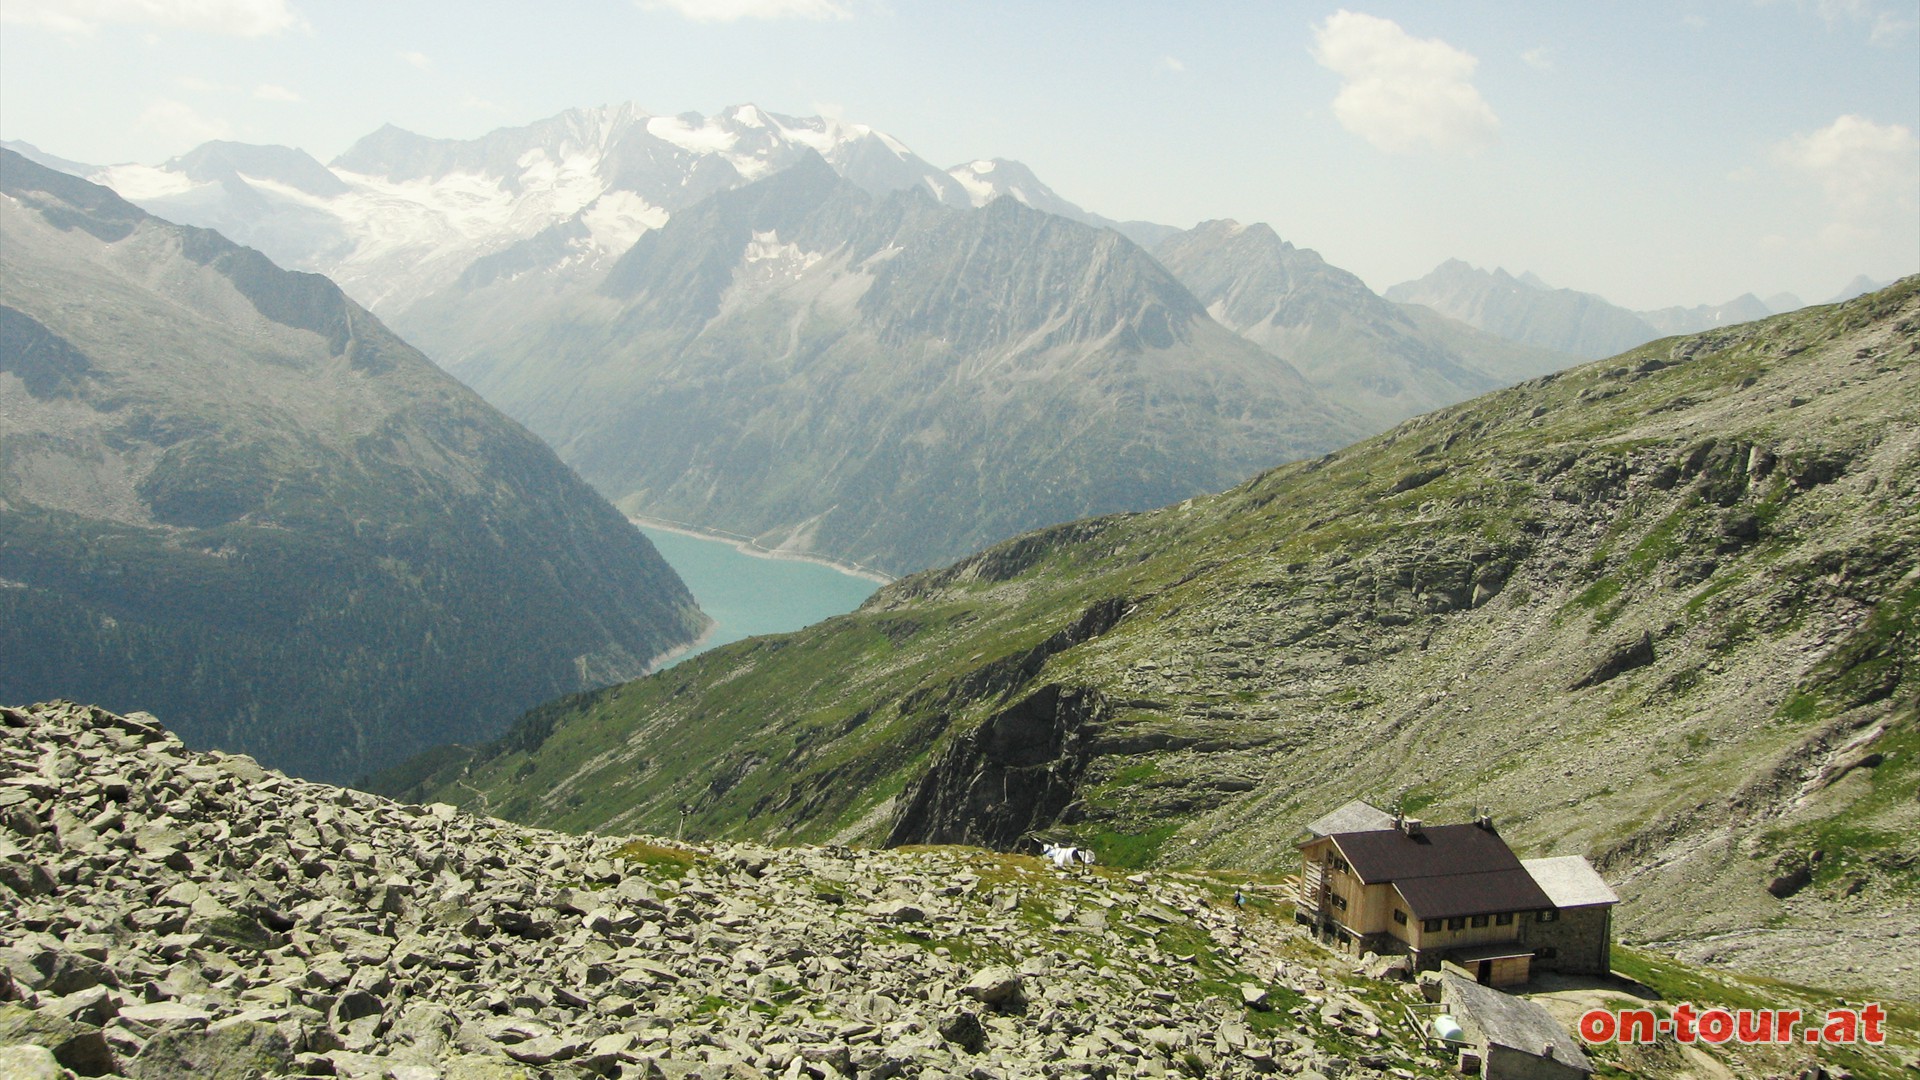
746	545
680	652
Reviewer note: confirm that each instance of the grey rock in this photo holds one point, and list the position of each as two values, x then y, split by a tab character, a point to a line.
545	1050
240	1050
1617	661
80	1047
28	1062
963	1029
163	1013
898	911
996	986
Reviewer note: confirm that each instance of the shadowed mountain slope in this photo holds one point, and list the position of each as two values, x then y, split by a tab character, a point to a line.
230	496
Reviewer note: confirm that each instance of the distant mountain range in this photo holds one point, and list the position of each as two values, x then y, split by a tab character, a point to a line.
778	367
1526	309
231	497
399	215
885	379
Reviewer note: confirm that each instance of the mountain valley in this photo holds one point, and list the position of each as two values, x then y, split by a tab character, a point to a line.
1238	540
514	260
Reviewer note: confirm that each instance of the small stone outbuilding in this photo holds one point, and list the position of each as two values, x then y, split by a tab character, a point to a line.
1579	940
1514	1039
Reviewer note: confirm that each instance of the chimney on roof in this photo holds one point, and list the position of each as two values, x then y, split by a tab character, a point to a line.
1485	821
1411	826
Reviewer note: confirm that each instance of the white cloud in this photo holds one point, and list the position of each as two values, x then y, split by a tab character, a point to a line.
1869	173
417	59
1890	29
1888	24
240	18
1540	59
1170	65
1399	92
276	92
178	123
732	10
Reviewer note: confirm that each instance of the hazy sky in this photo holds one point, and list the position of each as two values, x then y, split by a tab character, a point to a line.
1675	152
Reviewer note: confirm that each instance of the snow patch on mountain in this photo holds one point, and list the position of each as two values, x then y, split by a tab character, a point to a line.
618	218
411	214
972	178
136	183
708	138
767	247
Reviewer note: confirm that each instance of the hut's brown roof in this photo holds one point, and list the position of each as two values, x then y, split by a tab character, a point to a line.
1444	871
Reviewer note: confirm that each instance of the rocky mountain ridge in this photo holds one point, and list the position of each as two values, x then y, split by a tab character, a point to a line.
399	216
1658	610
229	494
1528	311
1386	361
1525	310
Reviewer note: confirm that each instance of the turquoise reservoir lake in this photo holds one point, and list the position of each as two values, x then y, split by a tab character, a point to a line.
751	594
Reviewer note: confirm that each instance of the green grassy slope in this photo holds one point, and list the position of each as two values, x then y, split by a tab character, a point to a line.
1658	610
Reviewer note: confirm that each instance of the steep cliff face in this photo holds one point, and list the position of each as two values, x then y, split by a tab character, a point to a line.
884	380
1658	609
229	495
1014	774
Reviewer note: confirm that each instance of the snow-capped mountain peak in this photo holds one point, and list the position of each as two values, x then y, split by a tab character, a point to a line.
400	215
